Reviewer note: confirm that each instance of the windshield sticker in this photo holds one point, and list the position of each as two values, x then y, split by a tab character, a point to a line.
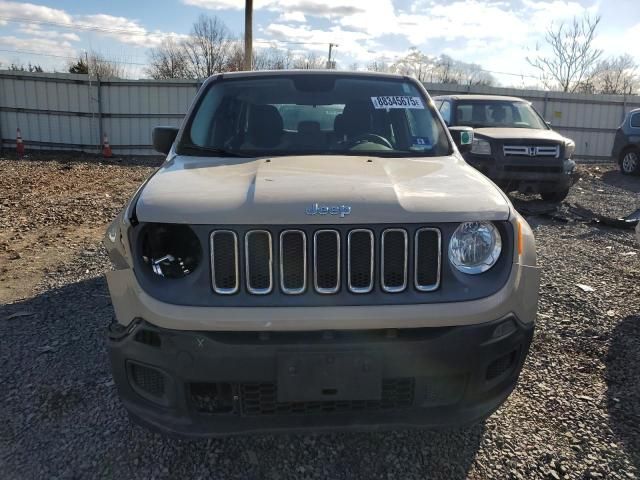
420	143
397	101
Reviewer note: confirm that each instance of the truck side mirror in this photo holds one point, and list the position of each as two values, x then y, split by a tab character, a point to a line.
163	138
463	138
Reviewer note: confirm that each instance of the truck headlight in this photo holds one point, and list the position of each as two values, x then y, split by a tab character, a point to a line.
171	251
475	247
569	148
480	147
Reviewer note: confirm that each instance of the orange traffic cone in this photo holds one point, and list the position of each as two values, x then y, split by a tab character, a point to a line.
19	144
106	149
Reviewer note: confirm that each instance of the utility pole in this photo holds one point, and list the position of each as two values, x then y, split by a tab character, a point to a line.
248	34
329	64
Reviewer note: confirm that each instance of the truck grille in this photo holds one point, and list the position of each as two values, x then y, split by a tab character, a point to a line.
384	258
531	150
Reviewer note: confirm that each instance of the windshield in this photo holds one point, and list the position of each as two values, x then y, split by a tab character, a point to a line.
314	114
498	113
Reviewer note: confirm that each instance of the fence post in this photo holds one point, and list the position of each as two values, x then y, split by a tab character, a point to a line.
100	131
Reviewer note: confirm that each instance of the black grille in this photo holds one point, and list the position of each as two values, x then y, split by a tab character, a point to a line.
360	261
394	260
501	365
532	169
212	397
427	259
293	261
327	261
224	263
147	337
147	379
261	399
258	256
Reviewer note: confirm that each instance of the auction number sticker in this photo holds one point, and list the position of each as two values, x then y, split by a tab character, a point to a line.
397	101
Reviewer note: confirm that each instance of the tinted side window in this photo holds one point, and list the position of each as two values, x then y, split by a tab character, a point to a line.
445	111
635	120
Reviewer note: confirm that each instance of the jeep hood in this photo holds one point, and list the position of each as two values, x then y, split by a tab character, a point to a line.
518	134
280	190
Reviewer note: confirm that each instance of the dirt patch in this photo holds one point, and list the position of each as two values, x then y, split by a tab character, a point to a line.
55	207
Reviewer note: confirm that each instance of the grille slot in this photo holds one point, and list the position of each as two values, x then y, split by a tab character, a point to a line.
326	256
293	262
261	399
149	380
360	261
427	258
224	262
258	262
394	260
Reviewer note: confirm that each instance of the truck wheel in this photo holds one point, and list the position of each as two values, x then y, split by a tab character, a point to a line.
556	196
630	162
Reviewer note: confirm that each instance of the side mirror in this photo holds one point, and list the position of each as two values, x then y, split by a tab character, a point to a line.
548	123
463	138
163	138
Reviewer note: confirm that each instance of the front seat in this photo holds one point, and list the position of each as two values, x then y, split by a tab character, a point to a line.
356	119
265	127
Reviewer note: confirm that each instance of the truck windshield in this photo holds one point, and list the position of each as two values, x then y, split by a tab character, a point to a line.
498	114
303	114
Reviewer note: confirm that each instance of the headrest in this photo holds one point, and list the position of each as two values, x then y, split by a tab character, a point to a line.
265	126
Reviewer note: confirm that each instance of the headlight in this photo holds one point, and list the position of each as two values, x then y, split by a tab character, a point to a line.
569	148
480	147
475	247
171	251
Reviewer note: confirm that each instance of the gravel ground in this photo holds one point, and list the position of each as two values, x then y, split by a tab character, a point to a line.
574	414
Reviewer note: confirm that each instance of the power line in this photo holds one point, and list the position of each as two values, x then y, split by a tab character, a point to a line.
27	52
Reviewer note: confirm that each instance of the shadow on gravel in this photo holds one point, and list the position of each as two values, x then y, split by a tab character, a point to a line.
626	182
62	417
65	157
623	385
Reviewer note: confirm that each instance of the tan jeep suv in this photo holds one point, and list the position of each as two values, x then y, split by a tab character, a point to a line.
315	253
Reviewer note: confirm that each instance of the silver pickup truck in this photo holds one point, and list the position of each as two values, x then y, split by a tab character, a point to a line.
315	253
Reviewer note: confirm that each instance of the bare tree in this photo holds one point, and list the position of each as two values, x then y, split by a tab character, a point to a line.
573	54
96	65
168	60
272	59
32	68
208	47
415	64
615	76
309	62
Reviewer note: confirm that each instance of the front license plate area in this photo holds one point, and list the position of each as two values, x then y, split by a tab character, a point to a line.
334	376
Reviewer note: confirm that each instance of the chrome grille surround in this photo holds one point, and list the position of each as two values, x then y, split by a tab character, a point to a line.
399	288
317	287
224	290
303	287
416	257
369	287
531	150
247	262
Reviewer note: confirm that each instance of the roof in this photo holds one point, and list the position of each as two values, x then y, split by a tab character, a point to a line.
481	97
287	73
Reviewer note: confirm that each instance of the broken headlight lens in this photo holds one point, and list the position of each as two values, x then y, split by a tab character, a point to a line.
171	251
475	247
480	147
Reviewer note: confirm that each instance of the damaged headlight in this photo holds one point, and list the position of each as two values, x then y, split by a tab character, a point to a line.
171	251
569	148
480	147
475	247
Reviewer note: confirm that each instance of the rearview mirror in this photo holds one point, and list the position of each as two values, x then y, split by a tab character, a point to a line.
163	138
463	138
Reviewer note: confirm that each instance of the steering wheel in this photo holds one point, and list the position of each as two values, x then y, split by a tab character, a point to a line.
369	137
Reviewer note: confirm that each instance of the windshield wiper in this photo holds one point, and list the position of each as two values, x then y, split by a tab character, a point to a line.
209	151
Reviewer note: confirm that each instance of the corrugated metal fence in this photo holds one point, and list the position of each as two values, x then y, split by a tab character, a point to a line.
71	112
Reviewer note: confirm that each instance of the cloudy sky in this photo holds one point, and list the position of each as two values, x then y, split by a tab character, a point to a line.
496	34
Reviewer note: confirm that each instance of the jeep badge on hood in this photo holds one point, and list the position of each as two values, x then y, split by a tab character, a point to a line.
316	209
